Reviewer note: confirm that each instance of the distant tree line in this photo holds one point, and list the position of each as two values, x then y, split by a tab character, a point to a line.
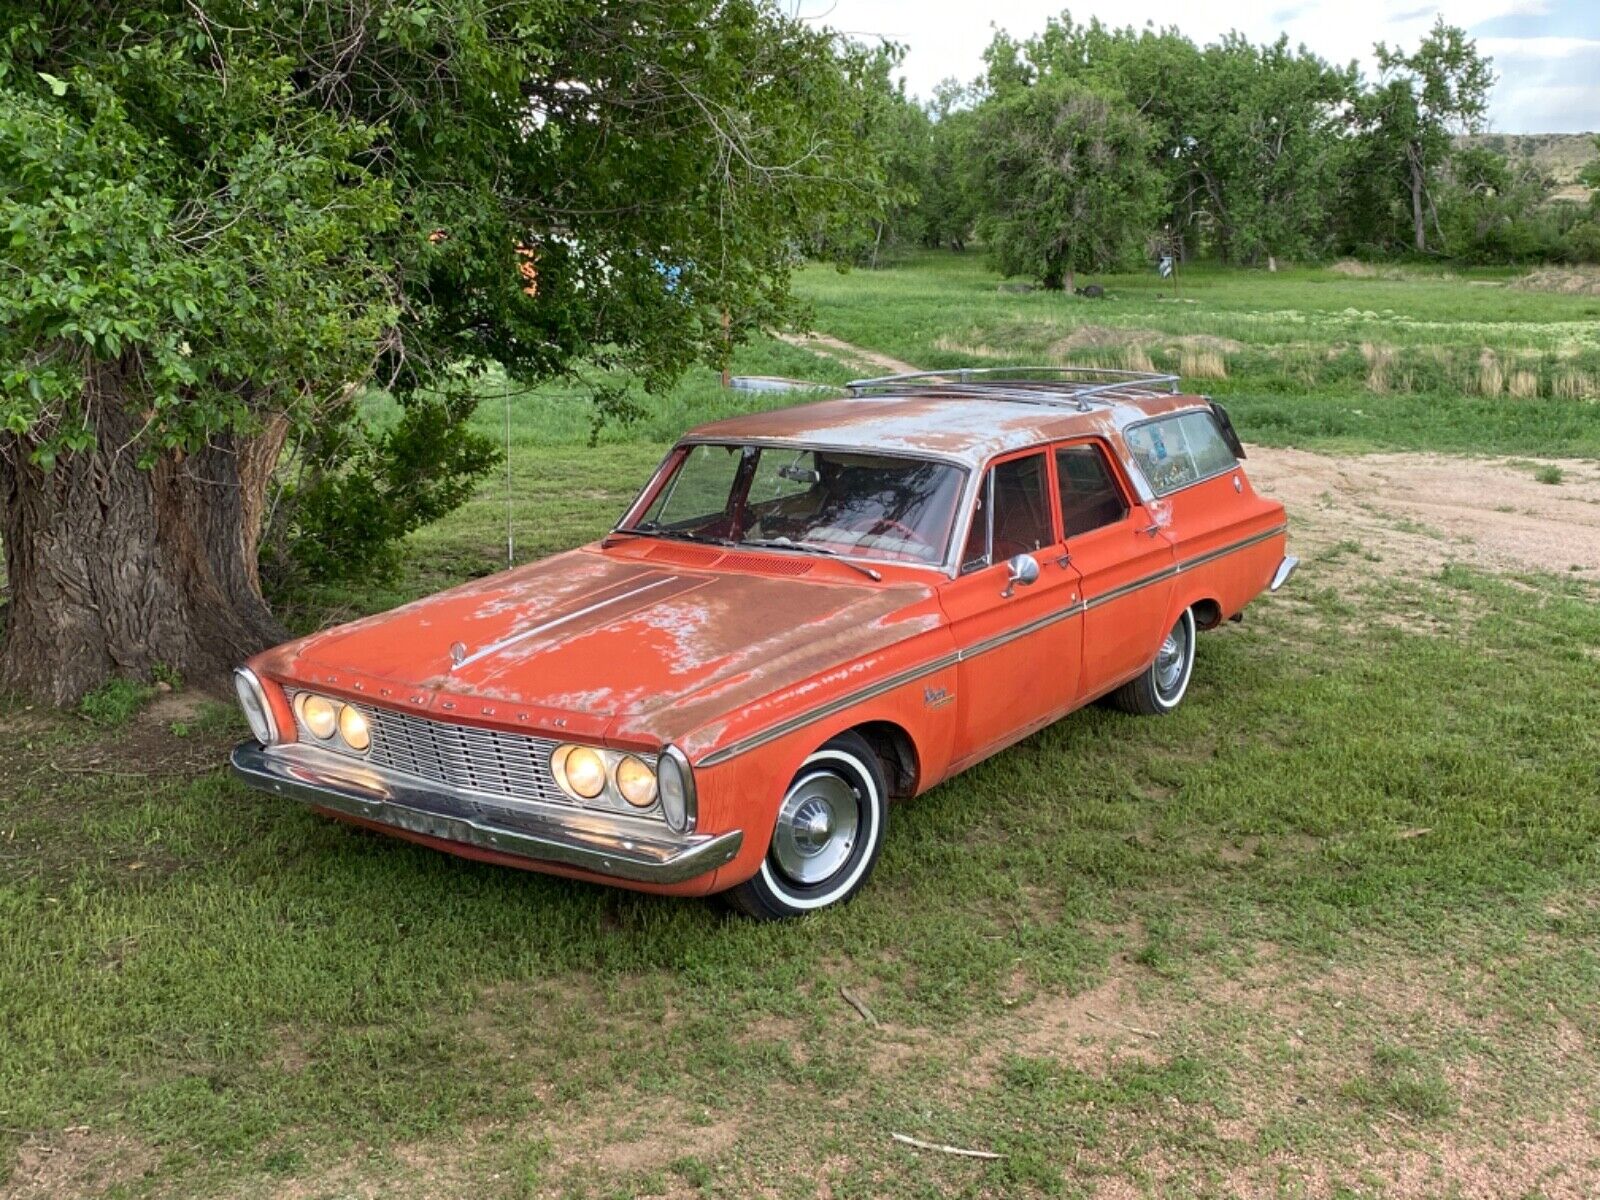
1085	148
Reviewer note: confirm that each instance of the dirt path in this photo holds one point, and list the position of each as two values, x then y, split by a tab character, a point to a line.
856	358
1415	512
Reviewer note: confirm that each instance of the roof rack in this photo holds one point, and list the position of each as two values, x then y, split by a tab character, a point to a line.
1025	385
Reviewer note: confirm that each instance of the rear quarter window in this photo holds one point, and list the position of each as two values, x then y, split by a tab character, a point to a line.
1175	451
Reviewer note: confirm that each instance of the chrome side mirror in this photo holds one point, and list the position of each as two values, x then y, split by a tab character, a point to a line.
1022	570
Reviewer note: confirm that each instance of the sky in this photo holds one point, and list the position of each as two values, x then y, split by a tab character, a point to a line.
1546	52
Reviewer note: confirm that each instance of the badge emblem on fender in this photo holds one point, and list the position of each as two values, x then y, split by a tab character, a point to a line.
936	697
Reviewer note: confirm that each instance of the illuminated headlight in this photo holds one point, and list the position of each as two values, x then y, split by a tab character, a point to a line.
323	718
253	699
353	729
636	782
579	770
319	714
675	782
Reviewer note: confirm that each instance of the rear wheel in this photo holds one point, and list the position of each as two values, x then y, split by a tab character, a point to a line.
1161	687
827	837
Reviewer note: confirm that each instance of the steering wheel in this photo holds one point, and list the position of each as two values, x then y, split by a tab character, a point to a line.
873	524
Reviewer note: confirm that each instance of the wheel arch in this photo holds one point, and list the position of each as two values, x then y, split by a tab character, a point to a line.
896	750
1208	613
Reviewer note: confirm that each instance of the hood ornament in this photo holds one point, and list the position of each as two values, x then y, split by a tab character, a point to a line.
458	653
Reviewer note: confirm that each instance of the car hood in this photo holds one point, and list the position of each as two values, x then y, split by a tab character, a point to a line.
605	640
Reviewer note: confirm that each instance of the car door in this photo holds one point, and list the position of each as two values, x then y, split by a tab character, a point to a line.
1018	643
1124	562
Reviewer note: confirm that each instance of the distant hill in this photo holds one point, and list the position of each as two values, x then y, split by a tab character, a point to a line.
1562	156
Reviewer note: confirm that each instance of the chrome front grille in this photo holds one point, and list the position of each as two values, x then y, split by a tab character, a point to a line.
476	760
507	767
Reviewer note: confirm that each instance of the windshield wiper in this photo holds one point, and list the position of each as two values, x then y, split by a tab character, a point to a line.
682	535
809	548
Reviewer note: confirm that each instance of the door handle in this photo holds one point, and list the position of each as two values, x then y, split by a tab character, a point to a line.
1151	530
1064	561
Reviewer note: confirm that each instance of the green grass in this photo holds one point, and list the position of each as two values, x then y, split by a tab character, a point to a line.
1347	898
1314	358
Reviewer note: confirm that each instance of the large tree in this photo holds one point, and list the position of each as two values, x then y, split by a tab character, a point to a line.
222	219
1407	122
1066	180
1265	149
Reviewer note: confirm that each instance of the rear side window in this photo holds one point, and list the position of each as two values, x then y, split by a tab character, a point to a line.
1176	451
1090	497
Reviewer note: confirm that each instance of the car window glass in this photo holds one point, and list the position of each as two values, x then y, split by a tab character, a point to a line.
783	475
1090	497
1021	507
698	490
1179	450
886	506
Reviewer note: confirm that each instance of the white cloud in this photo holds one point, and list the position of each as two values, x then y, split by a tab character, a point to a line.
947	37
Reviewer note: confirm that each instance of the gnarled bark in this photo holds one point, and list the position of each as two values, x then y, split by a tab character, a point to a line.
115	569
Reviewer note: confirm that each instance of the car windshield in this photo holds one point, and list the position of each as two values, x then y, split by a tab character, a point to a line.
879	506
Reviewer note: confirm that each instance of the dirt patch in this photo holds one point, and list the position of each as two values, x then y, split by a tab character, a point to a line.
1417	512
1567	281
78	1162
1354	268
857	358
1103	1024
661	1147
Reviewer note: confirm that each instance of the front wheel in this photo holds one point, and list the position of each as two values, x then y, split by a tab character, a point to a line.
1160	688
827	837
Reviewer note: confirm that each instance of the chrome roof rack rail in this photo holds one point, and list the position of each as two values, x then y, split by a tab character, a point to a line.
1076	386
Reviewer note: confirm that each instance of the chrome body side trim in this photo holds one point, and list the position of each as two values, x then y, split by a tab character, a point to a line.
1199	560
586	841
1285	569
912	674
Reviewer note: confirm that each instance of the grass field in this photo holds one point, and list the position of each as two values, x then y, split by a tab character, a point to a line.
1333	929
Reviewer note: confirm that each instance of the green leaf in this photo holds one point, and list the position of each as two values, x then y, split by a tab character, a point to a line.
58	87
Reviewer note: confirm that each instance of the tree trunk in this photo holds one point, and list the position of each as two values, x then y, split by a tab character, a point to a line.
114	570
1067	282
1415	160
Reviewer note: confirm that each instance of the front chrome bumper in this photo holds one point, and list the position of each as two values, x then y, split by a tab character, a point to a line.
585	841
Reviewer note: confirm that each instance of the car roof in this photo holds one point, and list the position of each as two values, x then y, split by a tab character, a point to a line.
961	425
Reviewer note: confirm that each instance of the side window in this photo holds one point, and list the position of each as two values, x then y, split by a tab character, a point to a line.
1021	494
1090	497
1179	450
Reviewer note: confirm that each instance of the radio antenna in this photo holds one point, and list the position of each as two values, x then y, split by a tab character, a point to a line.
511	544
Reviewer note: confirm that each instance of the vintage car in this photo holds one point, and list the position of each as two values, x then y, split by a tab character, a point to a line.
806	613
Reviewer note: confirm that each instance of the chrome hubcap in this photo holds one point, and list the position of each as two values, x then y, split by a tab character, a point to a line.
816	828
1170	659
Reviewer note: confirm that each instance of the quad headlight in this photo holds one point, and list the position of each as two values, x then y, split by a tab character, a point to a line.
353	729
324	719
580	771
587	773
636	782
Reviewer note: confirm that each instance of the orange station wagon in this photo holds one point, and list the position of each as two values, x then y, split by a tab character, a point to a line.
806	613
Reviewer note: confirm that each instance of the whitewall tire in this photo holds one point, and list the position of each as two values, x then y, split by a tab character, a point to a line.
1163	684
827	836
